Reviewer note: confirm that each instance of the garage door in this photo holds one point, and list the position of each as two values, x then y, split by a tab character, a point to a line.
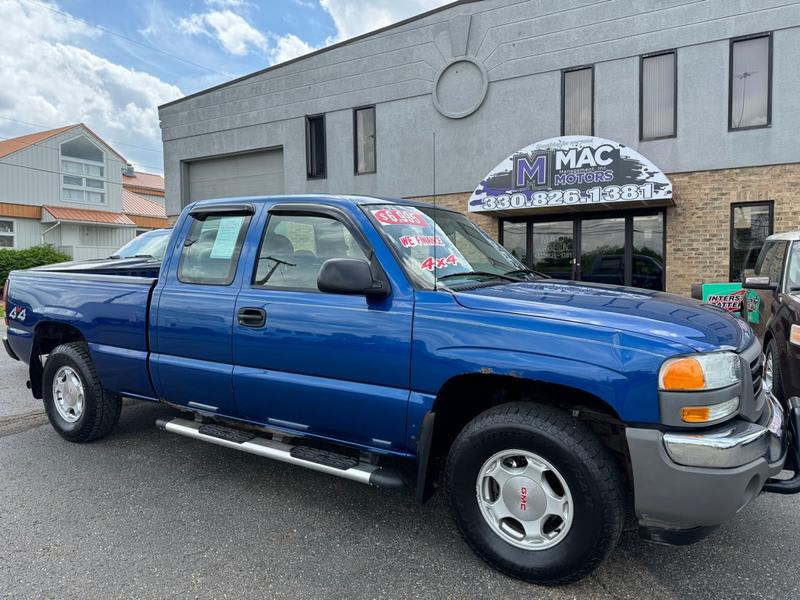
254	174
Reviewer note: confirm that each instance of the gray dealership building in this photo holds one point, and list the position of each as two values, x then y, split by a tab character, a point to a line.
703	94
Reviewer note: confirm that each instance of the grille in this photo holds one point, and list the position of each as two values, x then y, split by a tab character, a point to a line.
756	368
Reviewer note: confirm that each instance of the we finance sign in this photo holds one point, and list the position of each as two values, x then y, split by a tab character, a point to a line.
570	172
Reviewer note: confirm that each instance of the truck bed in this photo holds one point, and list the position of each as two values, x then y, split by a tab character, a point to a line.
109	307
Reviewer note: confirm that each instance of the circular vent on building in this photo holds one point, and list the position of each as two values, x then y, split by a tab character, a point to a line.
460	87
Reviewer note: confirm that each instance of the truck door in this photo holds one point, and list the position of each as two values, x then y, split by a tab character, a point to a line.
193	313
327	364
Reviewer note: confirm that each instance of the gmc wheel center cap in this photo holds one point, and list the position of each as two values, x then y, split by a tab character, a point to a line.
524	498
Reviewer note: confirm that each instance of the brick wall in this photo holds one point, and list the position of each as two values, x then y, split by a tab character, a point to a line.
698	226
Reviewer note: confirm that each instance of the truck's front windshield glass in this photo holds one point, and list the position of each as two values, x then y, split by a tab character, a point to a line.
449	249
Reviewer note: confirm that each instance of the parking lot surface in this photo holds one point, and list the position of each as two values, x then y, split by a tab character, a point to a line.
147	514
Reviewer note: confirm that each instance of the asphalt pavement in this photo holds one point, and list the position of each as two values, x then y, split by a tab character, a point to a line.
148	514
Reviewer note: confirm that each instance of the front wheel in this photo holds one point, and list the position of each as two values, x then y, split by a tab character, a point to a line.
78	407
535	493
772	371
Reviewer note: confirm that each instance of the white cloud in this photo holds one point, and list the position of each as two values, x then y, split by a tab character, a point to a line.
288	47
231	30
354	17
48	79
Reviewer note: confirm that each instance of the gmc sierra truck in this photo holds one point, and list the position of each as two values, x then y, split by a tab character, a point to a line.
396	344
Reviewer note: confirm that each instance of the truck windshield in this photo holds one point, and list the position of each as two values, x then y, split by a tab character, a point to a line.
449	249
793	268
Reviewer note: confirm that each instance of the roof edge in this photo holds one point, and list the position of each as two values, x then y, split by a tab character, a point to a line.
357	38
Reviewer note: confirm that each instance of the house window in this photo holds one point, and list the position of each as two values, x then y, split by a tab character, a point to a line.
751	223
6	234
364	139
577	100
658	96
82	172
750	102
316	163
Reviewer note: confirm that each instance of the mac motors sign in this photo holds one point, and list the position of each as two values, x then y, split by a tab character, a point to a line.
571	172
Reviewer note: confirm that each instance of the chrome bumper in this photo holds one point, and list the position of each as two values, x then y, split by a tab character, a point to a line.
733	444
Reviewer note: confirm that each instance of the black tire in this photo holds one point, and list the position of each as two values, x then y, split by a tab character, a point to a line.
101	410
771	353
587	467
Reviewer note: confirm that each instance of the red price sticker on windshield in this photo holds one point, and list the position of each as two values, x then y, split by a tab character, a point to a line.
440	263
395	216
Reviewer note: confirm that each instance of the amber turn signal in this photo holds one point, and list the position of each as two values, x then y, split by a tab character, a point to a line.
682	374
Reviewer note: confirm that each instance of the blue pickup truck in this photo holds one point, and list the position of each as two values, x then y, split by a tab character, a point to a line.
395	344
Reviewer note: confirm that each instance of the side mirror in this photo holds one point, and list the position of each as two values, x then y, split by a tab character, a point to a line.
759	283
349	276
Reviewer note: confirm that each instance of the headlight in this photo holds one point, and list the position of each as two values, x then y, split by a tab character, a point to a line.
700	372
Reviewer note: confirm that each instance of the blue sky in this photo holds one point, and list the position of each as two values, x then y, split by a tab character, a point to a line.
110	64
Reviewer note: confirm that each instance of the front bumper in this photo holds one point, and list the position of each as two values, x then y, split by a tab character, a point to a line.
691	480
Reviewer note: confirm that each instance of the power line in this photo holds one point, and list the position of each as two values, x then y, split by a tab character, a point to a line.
129	39
104	139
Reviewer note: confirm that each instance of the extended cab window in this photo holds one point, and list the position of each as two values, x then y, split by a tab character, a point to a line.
211	250
295	247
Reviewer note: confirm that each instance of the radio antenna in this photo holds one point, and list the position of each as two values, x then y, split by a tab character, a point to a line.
435	222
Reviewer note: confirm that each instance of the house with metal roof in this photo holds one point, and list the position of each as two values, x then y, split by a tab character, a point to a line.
68	188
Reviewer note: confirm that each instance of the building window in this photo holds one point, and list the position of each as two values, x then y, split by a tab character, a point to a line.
751	223
750	102
515	239
577	101
316	163
82	172
6	234
658	97
364	139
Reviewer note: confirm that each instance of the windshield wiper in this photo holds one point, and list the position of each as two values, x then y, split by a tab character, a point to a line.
525	271
278	262
477	274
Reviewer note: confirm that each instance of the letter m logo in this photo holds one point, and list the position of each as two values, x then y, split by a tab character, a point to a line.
530	171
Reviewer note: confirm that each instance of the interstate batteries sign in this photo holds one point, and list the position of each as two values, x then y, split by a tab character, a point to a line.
570	172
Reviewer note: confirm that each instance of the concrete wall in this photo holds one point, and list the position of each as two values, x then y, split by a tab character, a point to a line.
33	175
522	46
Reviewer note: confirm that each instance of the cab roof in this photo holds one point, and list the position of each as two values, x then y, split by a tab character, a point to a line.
334	199
787	236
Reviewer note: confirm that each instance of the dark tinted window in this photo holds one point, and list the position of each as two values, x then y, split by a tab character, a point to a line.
751	223
364	140
316	157
211	251
770	262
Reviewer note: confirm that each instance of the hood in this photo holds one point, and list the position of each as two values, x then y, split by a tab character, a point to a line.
672	318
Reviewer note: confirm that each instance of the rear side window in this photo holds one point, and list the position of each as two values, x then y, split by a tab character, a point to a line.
212	248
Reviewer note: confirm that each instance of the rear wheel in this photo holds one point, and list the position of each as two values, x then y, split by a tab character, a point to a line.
535	493
78	407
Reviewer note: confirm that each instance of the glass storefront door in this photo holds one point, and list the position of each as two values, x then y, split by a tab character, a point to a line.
625	249
553	249
603	250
